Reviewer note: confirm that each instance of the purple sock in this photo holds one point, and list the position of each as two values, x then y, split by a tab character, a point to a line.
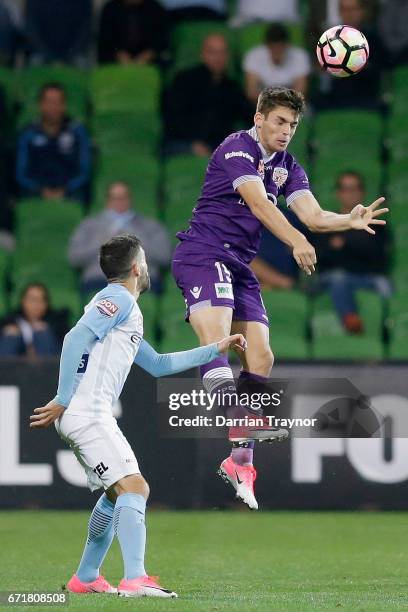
218	378
243	456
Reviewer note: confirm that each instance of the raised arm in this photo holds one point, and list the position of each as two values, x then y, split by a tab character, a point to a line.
172	363
307	208
254	194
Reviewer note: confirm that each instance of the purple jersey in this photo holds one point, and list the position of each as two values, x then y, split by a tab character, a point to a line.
221	218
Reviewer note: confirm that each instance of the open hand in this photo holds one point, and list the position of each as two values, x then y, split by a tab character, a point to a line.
46	415
361	217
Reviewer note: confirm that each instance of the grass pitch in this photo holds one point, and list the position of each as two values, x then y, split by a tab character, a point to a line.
219	561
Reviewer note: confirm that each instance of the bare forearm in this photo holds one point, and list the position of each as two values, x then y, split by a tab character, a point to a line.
327	221
272	218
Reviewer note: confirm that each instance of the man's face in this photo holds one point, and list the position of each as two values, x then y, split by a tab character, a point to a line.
118	198
349	192
277	129
278	51
143	280
214	53
53	105
352	13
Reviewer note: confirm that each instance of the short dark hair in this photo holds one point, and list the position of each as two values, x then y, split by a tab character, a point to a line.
48	86
277	33
35	285
117	255
352	173
273	97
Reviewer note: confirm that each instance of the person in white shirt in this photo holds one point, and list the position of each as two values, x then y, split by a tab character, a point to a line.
276	63
265	10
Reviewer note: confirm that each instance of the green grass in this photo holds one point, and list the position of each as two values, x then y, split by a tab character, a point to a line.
219	561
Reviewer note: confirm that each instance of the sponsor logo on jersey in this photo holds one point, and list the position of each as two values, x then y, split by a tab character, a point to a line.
239	154
195	292
279	176
261	168
107	308
136	338
224	290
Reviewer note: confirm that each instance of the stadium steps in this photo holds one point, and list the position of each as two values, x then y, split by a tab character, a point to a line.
330	341
287	320
43	229
183	177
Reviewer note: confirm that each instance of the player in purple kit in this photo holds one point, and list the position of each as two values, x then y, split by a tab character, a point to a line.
244	178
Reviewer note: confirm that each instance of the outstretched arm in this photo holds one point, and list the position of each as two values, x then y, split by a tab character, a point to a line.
307	208
171	363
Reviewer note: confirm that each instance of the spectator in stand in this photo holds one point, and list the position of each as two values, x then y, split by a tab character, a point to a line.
265	10
58	31
117	218
394	31
189	10
275	63
34	330
204	105
132	31
364	90
54	155
274	265
10	31
349	261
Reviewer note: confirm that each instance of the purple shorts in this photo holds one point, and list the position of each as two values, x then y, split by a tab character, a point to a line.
212	277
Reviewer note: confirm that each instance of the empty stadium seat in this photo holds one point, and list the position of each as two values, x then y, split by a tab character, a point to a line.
30	81
397	138
350	135
177	334
330	341
399	325
184	176
118	130
400	91
287	319
125	89
397	185
43	229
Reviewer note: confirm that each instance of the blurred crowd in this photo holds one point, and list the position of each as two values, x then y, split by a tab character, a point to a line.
52	157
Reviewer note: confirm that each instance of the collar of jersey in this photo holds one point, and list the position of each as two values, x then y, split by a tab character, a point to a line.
254	134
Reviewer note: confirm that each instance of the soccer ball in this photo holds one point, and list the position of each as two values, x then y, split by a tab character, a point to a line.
342	51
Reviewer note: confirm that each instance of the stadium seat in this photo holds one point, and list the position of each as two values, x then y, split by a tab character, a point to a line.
187	39
299	144
118	130
148	303
400	91
184	177
400	259
348	135
125	89
4	268
287	320
330	341
140	171
397	138
177	334
399	326
43	229
327	169
397	184
75	82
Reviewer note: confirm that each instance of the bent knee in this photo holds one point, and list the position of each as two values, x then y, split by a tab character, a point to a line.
135	483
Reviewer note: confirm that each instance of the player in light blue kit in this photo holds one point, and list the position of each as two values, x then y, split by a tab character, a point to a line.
95	361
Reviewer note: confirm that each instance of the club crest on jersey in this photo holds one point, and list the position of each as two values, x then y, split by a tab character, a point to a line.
279	176
261	168
107	308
